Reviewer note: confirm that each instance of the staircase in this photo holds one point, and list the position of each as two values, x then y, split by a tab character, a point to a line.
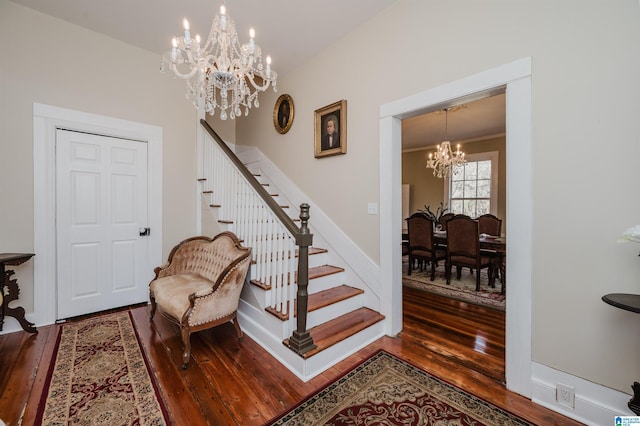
342	312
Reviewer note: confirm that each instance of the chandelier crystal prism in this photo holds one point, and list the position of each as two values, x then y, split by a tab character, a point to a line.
445	161
221	74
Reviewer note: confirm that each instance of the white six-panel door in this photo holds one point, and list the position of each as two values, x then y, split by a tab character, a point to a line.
101	207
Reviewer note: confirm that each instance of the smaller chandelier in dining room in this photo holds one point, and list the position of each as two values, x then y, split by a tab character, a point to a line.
445	161
222	73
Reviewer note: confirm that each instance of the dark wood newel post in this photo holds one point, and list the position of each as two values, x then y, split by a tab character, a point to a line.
301	341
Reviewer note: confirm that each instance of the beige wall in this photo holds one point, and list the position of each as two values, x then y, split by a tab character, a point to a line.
428	190
585	86
47	61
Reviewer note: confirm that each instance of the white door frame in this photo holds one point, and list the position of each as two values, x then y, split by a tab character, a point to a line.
515	78
46	119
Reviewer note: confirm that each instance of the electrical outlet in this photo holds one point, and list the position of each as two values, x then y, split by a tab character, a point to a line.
565	395
372	208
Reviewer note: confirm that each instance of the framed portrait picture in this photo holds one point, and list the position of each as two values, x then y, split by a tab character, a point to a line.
331	130
283	114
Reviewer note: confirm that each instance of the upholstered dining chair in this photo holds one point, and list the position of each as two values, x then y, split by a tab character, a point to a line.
463	249
199	286
489	224
421	244
443	220
492	225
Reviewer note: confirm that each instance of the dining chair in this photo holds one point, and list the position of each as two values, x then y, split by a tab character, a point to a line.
463	249
443	220
492	225
421	243
489	224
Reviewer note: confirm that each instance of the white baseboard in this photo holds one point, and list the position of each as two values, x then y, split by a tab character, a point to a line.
594	404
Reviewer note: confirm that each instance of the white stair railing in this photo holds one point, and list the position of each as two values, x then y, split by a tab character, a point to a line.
273	247
264	226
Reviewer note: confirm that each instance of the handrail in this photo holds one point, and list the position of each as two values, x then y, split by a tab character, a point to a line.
268	199
300	341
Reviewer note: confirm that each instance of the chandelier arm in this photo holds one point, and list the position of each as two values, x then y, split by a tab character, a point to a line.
187	76
261	88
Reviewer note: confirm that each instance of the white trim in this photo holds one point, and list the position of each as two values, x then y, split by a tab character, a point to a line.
516	77
492	156
594	404
46	119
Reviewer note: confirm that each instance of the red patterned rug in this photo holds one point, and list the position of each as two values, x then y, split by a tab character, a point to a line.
100	376
384	390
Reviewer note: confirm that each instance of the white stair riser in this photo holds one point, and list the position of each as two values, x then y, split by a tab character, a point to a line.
334	310
333	354
270	325
326	282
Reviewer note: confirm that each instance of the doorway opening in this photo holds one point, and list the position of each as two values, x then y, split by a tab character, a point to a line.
477	128
515	80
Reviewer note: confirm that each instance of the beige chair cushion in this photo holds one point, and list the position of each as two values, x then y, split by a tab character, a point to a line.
172	292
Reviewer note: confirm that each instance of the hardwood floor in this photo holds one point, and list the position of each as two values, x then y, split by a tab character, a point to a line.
231	382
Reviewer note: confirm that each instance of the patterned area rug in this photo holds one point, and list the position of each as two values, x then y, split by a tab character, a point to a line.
463	289
100	377
384	390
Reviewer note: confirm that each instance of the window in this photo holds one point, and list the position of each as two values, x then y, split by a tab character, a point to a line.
473	190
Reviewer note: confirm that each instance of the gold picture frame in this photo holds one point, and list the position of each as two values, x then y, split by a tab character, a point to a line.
283	113
331	118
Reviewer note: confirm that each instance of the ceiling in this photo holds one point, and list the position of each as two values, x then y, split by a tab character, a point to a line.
290	31
464	122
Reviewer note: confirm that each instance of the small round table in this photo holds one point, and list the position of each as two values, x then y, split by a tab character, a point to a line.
628	302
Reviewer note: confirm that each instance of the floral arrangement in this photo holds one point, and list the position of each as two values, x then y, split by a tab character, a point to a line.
435	217
631	235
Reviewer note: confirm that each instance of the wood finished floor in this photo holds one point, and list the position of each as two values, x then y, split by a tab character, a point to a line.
231	382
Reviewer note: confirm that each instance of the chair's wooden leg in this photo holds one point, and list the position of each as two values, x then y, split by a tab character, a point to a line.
478	280
410	266
492	276
447	272
433	270
186	355
153	306
237	327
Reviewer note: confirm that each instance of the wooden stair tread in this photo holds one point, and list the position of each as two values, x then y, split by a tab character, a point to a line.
330	296
323	270
315	272
318	300
334	331
314	250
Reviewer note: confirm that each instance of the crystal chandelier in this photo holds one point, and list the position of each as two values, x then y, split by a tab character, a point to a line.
445	162
223	73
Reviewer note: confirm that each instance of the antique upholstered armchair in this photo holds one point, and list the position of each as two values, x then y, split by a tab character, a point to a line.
199	287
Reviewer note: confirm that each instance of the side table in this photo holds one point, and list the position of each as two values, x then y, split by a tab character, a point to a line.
12	291
628	302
